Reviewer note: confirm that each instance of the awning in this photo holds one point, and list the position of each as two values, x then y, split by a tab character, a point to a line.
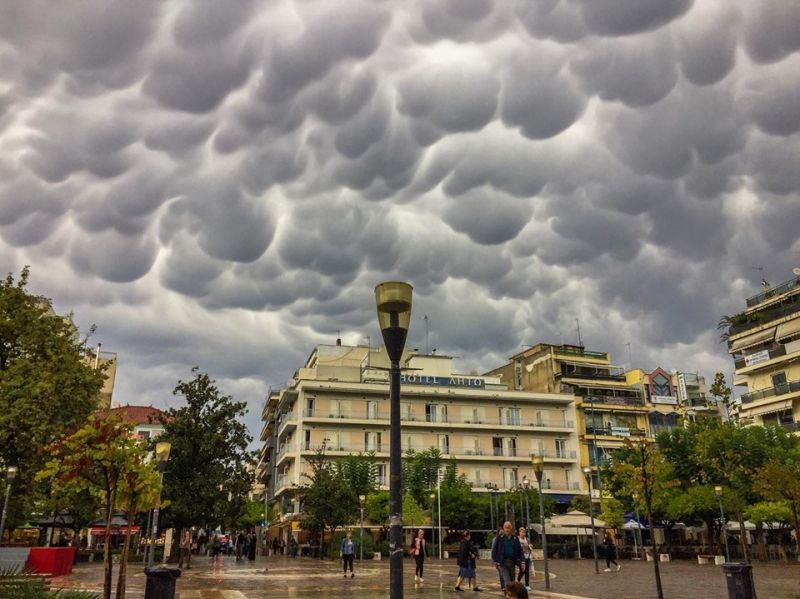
788	329
115	530
770	409
754	339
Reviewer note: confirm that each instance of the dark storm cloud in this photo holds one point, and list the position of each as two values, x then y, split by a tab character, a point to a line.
223	184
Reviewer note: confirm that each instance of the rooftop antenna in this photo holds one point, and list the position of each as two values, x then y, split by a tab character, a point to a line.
427	345
796	272
578	324
97	356
764	282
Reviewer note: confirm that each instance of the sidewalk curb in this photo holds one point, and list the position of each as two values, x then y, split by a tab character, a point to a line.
549	595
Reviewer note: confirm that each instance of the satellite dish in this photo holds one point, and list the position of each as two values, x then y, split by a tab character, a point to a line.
796	271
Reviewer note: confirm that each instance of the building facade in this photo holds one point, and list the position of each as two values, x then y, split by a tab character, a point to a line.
764	342
340	401
146	419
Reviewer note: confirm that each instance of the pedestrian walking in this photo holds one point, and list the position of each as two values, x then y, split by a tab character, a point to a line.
216	548
525	570
466	564
419	552
507	555
292	547
240	541
347	551
252	546
186	549
610	553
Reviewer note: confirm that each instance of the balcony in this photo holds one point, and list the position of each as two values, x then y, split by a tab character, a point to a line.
613	399
576	350
774	351
592	374
792	427
745	322
505	451
784	287
567	454
615	431
777	390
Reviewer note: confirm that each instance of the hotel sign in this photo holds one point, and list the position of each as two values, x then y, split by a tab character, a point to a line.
669	400
443	381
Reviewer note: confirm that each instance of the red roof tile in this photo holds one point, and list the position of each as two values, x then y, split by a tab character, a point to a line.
138	414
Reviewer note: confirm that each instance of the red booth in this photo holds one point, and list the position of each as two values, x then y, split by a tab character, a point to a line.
55	561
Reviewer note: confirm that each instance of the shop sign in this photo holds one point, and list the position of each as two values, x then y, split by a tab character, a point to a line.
757	358
442	381
669	400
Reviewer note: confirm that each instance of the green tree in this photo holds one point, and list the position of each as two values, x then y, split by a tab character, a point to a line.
209	461
420	473
252	515
103	458
358	471
413	514
612	512
720	390
46	387
580	503
327	501
376	507
779	480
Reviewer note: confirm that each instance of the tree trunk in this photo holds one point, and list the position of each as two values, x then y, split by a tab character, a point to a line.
655	551
107	565
796	530
123	564
743	535
761	545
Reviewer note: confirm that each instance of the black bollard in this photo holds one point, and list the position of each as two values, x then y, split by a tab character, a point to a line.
740	581
160	582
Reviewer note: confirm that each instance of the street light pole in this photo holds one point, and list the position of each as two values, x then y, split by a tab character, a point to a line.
724	523
433	529
538	470
439	507
393	302
588	472
162	453
11	474
526	484
361	499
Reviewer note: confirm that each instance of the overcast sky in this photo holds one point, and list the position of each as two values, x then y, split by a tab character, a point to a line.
223	183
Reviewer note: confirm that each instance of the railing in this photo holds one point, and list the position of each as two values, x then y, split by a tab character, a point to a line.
504	451
615	431
790	387
549	485
613	399
574	350
580	374
791	426
762	317
567	454
784	287
775	351
380	417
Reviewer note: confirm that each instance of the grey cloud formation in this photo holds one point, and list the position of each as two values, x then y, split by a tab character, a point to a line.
223	184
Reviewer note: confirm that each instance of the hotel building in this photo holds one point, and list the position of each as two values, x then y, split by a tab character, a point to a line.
764	342
340	400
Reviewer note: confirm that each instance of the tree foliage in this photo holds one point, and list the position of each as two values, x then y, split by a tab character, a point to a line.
358	471
105	459
421	472
46	386
209	461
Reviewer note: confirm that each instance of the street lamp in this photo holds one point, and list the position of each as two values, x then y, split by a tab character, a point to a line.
361	500
526	484
11	474
724	524
162	453
393	301
588	472
538	469
433	529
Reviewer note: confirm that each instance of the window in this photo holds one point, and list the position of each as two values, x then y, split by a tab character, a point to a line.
435	412
478	477
310	406
661	385
144	434
505	446
509	416
307	444
372	441
405	412
778	379
380	475
372	410
444	443
509	478
561	448
539	421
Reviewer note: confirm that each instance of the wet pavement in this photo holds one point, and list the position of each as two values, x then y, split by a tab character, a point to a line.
278	577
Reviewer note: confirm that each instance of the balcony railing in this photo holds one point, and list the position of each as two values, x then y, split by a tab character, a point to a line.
613	399
762	317
506	485
591	375
574	350
384	418
504	451
790	387
791	426
567	454
775	351
615	431
784	287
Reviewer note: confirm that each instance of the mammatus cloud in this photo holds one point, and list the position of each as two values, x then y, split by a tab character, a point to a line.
223	185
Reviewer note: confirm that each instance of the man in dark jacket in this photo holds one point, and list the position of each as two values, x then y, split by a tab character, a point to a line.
506	554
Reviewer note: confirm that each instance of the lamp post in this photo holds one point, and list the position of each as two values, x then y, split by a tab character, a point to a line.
11	474
526	484
393	302
588	472
538	469
162	453
361	499
724	524
432	497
